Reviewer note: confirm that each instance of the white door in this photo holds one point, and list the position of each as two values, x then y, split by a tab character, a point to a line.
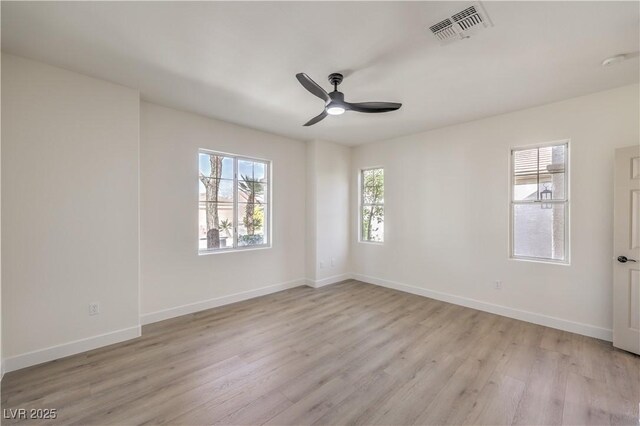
626	243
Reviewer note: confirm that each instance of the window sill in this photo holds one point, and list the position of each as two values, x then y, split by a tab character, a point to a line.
232	250
544	261
373	243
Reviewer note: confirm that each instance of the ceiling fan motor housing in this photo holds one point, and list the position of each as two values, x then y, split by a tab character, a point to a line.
335	78
336	98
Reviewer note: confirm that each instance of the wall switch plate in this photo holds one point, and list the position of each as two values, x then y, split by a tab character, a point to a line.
498	285
321	265
94	308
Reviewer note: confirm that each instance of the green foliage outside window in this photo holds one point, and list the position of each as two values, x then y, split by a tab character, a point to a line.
372	214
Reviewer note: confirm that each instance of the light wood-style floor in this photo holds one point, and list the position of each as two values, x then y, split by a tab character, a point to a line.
350	353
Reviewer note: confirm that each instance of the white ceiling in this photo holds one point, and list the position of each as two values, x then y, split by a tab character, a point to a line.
237	61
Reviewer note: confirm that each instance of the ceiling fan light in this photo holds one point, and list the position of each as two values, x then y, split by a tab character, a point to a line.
335	110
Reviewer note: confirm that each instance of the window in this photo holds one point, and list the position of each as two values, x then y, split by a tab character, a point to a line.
233	202
540	203
372	205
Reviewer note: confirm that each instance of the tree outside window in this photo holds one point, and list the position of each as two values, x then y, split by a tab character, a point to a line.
233	200
372	205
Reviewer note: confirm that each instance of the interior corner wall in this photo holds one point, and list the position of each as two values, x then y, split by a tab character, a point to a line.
1	364
311	203
328	208
447	212
69	212
177	280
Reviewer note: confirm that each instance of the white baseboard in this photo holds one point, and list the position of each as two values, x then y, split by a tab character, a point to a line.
548	321
60	351
66	349
329	280
217	301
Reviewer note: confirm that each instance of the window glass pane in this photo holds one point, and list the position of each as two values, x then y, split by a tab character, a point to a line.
202	191
215	225
260	172
539	230
251	224
251	192
252	170
525	169
221	166
373	186
373	194
372	223
552	158
552	186
552	172
216	190
539	173
245	170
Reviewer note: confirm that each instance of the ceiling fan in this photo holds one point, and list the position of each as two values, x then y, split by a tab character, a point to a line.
334	101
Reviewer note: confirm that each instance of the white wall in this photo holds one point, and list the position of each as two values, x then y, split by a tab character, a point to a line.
1	365
311	212
175	279
447	212
73	148
328	230
69	211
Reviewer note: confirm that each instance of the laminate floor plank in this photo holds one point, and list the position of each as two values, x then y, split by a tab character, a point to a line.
345	354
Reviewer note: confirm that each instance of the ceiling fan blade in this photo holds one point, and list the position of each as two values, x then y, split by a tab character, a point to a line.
312	86
315	119
373	106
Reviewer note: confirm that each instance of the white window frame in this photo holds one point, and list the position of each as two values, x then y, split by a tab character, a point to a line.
567	203
361	204
267	211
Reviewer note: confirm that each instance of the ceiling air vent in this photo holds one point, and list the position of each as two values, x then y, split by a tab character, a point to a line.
443	30
467	18
461	24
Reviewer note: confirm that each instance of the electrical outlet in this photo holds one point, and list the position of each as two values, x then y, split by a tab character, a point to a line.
94	308
333	262
498	285
321	265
